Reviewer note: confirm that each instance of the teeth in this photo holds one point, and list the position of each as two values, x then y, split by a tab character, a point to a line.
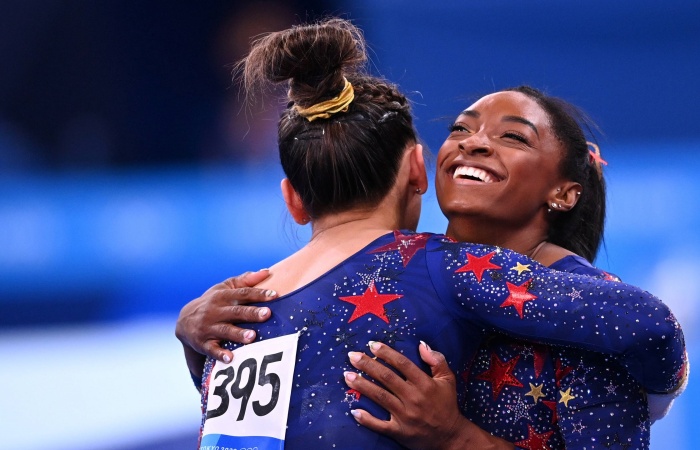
466	171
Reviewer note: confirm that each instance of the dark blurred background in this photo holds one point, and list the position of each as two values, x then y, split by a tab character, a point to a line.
133	178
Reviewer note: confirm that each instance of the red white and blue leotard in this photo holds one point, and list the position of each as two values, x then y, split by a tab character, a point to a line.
406	287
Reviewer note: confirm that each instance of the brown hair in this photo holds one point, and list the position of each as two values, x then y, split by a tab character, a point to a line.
351	158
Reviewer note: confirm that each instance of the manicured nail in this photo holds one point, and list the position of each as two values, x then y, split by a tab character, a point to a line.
262	312
355	356
249	335
356	414
426	346
226	358
350	376
270	293
374	345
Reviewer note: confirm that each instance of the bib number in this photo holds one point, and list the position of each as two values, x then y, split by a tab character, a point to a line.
248	399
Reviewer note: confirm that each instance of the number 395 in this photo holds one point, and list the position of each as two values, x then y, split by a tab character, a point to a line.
242	389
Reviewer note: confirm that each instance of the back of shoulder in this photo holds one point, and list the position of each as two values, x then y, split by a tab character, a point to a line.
579	265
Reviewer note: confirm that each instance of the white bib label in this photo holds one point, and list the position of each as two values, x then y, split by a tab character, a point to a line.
249	398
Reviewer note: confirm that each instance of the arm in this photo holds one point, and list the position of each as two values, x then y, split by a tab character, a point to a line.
416	419
543	305
206	321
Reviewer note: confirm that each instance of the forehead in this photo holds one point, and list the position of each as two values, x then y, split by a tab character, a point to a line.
509	103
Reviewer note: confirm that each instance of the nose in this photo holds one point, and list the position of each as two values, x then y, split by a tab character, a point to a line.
476	144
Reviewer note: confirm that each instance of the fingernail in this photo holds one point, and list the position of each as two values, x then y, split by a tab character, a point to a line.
263	269
355	413
354	356
262	312
226	358
270	293
426	346
249	335
373	345
350	376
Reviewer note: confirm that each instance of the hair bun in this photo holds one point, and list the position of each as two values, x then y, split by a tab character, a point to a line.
314	58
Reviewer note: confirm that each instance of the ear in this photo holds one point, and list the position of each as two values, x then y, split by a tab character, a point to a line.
565	196
294	203
418	177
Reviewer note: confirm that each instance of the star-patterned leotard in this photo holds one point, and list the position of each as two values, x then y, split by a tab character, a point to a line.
406	287
571	398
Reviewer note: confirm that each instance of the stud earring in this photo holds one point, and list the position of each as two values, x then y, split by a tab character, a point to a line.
554	205
419	192
558	189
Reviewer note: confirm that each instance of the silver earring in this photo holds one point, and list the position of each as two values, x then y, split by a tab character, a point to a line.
554	205
418	191
558	189
578	193
558	205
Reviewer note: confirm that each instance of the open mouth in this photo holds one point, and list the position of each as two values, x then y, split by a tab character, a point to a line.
474	174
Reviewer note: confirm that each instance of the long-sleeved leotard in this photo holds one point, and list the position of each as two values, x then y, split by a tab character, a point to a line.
579	399
405	287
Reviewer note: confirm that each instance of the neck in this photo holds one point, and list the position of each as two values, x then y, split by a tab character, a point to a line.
528	240
355	222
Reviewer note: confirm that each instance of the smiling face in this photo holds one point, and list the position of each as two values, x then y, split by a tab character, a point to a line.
497	168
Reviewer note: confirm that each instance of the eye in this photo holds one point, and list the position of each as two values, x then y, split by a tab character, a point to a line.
457	128
516	136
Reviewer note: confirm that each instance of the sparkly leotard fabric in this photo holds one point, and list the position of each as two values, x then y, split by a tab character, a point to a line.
570	398
406	287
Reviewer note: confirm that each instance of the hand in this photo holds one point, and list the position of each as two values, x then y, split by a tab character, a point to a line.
205	321
424	411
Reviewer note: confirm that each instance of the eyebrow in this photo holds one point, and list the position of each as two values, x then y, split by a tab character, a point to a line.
471	113
477	114
521	120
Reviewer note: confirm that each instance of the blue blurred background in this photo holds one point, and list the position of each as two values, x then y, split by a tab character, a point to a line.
132	180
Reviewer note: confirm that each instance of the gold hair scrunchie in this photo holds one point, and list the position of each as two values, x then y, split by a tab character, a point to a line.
327	108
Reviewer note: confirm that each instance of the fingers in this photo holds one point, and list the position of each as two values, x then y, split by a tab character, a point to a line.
366	419
405	366
242	296
247	279
243	314
436	361
213	349
381	396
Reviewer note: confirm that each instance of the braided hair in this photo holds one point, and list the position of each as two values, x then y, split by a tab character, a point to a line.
351	158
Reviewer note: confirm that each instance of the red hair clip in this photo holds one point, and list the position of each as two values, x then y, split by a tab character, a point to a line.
595	158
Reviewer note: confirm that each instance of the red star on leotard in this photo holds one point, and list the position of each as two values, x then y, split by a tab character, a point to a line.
500	374
540	356
535	440
518	296
371	302
561	372
478	265
406	244
610	277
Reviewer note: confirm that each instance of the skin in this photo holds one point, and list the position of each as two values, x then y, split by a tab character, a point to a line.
505	136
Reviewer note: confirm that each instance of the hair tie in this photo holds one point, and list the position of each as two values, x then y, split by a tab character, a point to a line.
327	108
595	158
